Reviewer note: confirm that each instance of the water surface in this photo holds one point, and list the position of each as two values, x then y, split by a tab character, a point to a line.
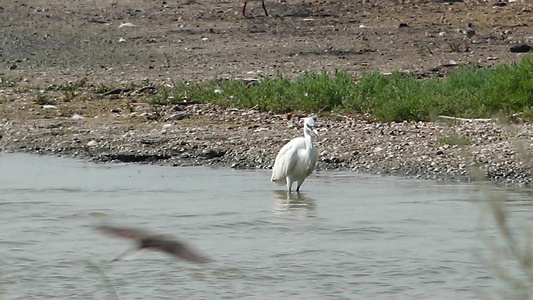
346	236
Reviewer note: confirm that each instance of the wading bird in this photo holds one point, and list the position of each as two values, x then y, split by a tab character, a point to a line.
246	2
148	241
297	159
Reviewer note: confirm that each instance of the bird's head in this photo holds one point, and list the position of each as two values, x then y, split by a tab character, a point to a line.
309	126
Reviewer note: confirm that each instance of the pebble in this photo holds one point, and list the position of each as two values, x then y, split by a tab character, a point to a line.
523	48
125	25
92	143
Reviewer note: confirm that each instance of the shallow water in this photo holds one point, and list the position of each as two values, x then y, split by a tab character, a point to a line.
346	236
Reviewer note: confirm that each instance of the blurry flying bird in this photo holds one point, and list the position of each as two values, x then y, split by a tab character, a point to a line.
148	241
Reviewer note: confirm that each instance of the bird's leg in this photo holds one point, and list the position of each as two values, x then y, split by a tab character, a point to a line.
299	185
289	184
264	8
244	9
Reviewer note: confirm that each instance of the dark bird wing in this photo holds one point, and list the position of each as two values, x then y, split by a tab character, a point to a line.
148	241
124	232
173	247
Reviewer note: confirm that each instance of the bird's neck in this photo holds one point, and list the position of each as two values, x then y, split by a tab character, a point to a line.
308	140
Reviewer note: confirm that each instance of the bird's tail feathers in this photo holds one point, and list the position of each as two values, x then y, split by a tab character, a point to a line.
130	254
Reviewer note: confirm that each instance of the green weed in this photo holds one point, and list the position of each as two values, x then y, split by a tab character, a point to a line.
42	99
469	92
9	81
71	86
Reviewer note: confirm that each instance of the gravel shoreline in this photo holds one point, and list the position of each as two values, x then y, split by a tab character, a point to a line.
199	40
202	134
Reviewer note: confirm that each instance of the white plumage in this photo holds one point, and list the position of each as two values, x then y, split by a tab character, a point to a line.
297	159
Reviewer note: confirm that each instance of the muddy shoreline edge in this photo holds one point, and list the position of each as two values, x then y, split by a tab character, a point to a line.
207	135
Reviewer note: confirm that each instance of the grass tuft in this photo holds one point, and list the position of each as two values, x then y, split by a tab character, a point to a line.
469	92
71	86
42	99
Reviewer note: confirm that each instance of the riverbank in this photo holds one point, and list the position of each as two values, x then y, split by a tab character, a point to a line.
48	47
115	129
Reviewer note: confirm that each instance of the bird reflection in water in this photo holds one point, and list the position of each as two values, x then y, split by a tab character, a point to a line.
294	203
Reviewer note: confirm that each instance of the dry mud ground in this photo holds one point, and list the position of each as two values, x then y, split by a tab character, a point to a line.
46	43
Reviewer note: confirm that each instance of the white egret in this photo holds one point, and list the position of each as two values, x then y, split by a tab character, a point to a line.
246	2
297	159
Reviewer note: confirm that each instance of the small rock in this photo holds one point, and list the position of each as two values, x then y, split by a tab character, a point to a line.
124	25
178	116
117	91
523	48
451	63
469	32
92	143
77	117
147	90
261	129
212	153
48	106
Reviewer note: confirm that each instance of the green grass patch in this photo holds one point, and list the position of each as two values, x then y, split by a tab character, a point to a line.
469	92
42	99
71	86
9	81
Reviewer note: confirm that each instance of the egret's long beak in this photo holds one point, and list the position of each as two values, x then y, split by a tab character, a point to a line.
313	129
